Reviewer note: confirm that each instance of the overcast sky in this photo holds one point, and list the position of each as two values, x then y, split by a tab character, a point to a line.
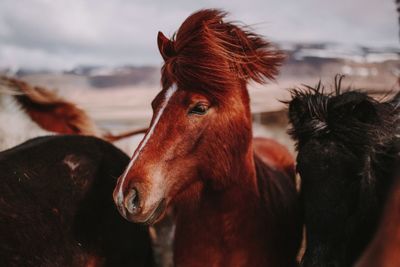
61	34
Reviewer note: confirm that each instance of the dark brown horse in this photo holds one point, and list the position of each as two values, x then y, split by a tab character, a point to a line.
347	149
233	206
56	206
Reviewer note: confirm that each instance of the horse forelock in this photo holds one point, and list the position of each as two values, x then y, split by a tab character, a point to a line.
311	119
214	56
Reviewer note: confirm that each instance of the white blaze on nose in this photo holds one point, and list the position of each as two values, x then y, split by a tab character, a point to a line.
168	94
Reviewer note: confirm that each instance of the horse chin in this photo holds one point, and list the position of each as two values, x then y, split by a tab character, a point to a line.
155	215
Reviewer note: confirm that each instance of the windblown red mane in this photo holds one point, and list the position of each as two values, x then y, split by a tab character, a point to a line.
214	55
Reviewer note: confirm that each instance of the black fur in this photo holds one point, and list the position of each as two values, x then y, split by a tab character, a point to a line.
56	206
280	200
347	143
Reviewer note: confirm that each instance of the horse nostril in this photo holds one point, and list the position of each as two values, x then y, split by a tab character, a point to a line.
132	201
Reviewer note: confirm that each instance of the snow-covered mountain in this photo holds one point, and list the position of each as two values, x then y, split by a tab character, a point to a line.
341	51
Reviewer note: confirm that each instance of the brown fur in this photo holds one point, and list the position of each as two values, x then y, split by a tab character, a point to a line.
274	154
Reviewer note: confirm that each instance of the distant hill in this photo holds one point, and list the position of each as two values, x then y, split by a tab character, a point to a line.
106	77
368	67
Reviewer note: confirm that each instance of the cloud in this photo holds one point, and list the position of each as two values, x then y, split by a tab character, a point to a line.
63	33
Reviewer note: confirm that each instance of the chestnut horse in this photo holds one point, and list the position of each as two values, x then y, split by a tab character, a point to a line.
56	206
30	111
231	207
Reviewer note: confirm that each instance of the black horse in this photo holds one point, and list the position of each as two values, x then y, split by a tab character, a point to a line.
347	148
56	206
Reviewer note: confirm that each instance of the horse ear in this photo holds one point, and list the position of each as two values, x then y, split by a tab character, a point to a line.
164	46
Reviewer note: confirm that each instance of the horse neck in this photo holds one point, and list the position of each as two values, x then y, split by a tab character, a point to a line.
218	223
384	250
384	166
218	181
221	218
16	125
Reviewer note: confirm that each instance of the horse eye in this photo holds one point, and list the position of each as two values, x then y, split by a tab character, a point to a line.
199	109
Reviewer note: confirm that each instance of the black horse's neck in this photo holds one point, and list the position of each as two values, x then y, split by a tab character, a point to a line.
384	168
380	170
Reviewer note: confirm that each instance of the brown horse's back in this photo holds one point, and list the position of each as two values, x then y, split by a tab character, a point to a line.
56	207
277	185
274	155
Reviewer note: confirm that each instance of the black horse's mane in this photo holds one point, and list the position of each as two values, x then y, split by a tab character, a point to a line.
349	116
